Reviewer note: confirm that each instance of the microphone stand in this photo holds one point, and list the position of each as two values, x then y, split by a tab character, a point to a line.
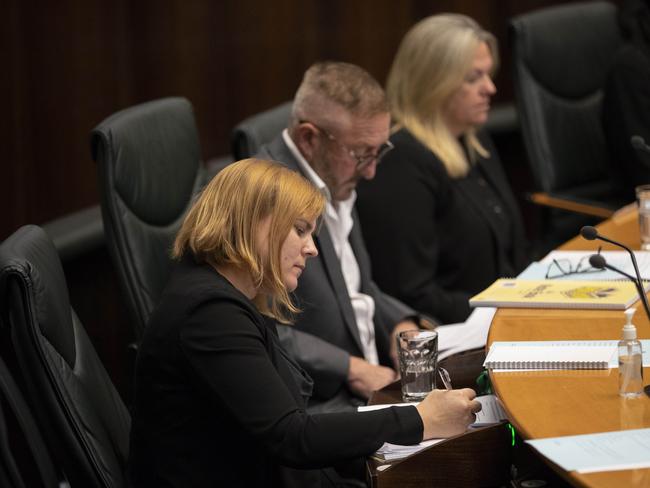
598	261
590	233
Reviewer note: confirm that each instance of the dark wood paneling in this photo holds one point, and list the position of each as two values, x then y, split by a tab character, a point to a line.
67	65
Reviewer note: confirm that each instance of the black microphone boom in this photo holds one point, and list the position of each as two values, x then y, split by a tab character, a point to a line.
590	233
599	261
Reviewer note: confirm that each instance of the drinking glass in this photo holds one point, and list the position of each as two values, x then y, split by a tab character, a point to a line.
418	355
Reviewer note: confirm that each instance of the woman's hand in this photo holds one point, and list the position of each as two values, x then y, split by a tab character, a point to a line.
446	413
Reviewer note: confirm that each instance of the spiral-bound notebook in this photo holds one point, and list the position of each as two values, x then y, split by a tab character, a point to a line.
616	295
549	357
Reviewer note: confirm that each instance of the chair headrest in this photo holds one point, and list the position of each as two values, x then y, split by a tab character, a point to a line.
162	137
29	260
554	41
252	133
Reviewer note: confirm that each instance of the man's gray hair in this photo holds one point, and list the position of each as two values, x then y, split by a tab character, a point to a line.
347	85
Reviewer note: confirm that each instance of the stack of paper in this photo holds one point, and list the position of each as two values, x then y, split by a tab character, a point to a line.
491	413
549	357
390	452
471	334
607	345
605	451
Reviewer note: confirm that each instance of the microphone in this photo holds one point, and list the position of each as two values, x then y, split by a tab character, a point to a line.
590	233
598	261
639	143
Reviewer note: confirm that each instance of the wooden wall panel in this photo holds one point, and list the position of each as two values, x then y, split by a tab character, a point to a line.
69	64
66	65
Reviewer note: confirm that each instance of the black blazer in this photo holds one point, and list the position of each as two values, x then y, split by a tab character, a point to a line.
433	240
626	112
219	403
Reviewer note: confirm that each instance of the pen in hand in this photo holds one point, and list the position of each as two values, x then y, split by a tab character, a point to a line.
444	376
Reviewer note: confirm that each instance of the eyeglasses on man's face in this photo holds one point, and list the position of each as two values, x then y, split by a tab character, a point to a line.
363	161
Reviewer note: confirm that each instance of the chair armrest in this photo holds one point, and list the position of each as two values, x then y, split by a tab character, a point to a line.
571	204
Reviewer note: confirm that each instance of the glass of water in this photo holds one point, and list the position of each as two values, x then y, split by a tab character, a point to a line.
643	204
418	355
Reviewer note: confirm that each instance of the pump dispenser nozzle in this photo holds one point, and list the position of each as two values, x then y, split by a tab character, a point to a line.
629	330
630	367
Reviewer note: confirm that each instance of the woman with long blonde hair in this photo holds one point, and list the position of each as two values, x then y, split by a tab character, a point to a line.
218	401
439	220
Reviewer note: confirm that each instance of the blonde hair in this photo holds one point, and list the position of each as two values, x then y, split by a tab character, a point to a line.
221	227
430	65
346	85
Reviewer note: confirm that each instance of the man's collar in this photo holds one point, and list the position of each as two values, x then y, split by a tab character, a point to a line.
305	166
313	176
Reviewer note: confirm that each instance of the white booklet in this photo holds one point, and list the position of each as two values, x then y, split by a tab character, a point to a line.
515	356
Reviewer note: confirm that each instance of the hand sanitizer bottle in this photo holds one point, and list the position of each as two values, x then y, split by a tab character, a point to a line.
630	366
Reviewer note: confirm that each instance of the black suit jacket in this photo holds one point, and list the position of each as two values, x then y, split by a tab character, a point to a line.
626	112
327	329
219	403
433	240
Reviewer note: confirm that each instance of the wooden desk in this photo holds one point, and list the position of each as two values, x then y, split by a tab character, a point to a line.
549	404
478	458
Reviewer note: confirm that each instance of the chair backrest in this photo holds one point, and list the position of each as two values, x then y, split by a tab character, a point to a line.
24	459
561	57
149	163
249	135
80	414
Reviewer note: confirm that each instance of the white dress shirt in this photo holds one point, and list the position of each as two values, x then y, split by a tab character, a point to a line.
339	224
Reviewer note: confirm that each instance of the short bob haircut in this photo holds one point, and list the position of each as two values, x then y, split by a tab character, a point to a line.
430	65
221	227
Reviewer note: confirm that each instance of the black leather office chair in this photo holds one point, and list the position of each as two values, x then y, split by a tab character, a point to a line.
150	168
561	57
24	459
250	134
79	412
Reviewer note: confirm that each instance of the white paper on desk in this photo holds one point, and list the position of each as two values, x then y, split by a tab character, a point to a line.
546	357
491	410
390	452
606	451
472	333
619	259
645	347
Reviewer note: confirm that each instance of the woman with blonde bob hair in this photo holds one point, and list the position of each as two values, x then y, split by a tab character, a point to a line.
220	228
453	226
218	401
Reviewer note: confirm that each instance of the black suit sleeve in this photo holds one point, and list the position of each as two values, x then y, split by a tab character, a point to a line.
230	358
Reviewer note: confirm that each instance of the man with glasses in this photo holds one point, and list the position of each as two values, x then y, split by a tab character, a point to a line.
345	335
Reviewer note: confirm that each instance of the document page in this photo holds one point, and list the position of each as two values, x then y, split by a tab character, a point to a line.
613	363
471	334
579	261
545	357
491	413
606	451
